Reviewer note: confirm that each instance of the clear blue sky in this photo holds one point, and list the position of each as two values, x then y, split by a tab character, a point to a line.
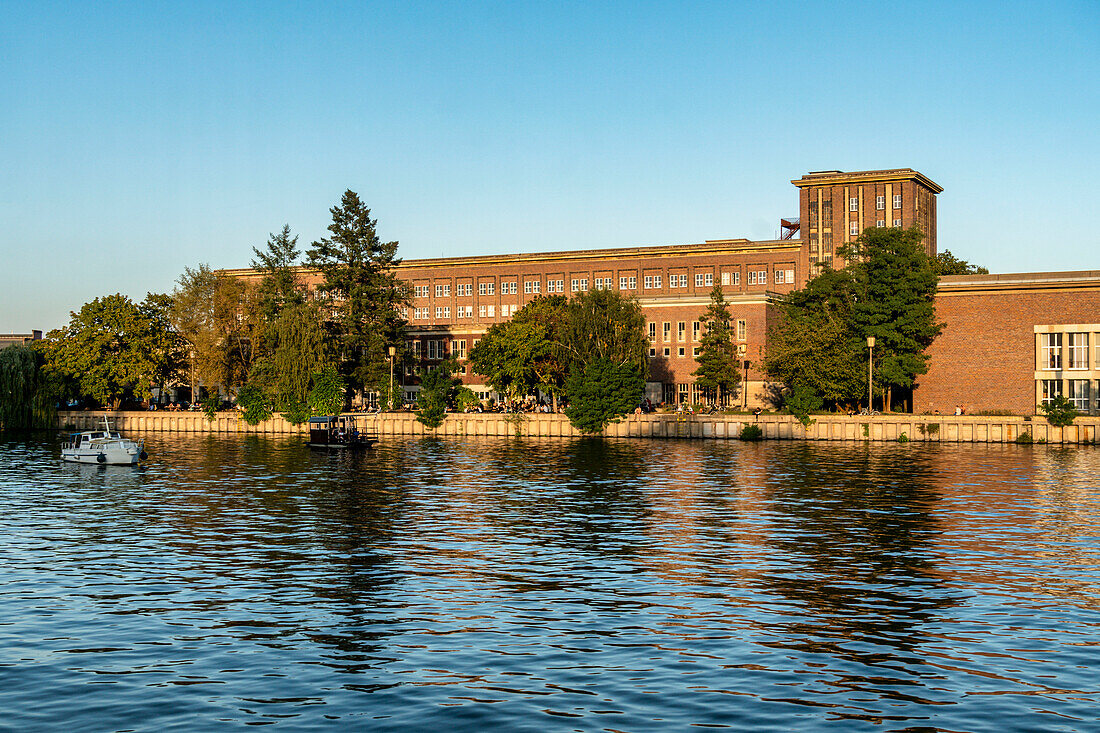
137	139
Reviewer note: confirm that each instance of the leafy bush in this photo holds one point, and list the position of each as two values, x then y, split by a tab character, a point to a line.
296	413
465	398
932	428
751	432
254	404
327	395
903	438
1059	412
602	392
210	407
1025	438
437	388
803	400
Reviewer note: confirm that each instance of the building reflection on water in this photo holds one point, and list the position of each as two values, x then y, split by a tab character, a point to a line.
843	559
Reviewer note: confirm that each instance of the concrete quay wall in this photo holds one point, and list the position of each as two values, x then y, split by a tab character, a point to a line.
884	428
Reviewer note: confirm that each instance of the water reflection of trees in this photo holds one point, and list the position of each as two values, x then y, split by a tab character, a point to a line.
852	531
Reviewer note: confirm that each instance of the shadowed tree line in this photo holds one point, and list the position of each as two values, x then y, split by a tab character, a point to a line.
270	341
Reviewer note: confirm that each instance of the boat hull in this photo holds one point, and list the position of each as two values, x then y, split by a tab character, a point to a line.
108	457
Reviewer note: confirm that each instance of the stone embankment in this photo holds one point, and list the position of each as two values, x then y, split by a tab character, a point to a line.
919	428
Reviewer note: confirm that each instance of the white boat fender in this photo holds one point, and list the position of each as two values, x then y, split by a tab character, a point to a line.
101	458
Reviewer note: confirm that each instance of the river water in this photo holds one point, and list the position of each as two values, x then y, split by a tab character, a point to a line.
507	584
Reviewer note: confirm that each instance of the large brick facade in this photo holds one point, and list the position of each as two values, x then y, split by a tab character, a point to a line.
834	207
986	358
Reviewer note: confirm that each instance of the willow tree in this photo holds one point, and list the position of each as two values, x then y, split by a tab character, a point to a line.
296	352
26	400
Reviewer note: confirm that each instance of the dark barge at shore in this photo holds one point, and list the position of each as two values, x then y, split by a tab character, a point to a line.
338	431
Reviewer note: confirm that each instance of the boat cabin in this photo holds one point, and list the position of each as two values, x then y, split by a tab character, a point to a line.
338	431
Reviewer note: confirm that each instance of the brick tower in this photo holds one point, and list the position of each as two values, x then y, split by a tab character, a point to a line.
834	207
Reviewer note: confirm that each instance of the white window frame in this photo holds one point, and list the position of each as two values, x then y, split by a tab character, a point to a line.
1077	351
698	279
897	200
853	228
880	203
897	222
742	329
725	277
666	331
737	277
653	332
1052	351
880	223
1078	394
853	204
1051	388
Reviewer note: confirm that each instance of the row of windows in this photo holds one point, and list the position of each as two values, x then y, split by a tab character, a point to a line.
1078	392
880	202
626	282
681	351
1076	353
437	348
696	329
462	311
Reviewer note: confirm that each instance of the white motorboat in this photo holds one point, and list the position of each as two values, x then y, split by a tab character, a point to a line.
104	446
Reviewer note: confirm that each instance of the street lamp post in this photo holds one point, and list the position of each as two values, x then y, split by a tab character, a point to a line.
870	352
393	351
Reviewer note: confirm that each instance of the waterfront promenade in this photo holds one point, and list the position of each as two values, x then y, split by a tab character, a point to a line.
888	428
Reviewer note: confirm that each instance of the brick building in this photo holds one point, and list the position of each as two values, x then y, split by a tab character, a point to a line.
1003	347
834	207
1011	341
19	339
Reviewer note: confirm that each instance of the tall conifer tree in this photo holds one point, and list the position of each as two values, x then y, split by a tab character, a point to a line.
363	293
718	364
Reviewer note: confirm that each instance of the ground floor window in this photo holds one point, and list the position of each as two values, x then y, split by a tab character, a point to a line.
1051	388
1079	394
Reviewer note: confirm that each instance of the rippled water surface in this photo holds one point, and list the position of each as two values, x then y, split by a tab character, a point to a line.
551	585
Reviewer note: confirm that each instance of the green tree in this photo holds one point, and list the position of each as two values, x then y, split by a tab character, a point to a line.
296	342
327	395
946	263
523	355
362	288
216	316
814	343
255	404
26	397
1059	411
718	369
895	288
601	392
438	389
280	286
110	348
603	337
